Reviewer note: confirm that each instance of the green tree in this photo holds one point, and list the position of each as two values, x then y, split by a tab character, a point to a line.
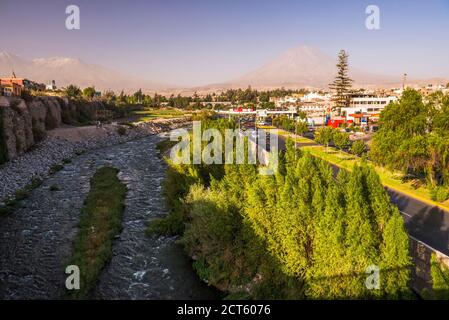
301	128
440	278
139	96
326	277
395	259
324	136
342	82
413	137
297	234
72	91
89	92
358	147
341	139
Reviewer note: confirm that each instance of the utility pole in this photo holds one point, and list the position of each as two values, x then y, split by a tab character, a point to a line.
403	80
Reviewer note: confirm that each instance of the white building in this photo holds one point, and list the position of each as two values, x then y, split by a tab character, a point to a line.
51	86
369	105
284	101
315	97
313	107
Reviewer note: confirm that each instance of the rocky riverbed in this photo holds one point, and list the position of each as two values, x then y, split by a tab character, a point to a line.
36	239
36	163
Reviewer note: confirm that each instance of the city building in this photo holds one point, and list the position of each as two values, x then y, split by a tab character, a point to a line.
363	107
9	89
315	97
51	86
22	82
281	102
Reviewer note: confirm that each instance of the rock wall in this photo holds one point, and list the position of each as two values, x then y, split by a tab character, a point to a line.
26	123
421	276
60	146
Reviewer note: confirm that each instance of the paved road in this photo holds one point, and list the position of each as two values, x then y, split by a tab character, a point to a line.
426	223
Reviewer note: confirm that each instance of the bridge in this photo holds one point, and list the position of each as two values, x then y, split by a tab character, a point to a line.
258	113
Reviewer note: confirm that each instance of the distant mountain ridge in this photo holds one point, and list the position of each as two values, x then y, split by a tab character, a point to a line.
300	67
73	71
305	66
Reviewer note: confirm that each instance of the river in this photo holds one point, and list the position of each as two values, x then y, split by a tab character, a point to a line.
36	239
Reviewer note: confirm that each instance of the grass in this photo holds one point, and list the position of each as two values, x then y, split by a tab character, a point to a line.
14	203
390	179
151	114
165	145
100	222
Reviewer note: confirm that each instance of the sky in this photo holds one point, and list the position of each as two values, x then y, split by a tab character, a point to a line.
198	42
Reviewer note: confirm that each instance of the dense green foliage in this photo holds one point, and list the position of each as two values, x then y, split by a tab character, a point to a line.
193	102
100	222
251	95
89	92
358	147
72	91
328	231
297	234
413	137
328	135
440	278
284	122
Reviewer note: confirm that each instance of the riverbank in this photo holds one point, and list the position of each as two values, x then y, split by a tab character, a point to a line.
67	142
36	240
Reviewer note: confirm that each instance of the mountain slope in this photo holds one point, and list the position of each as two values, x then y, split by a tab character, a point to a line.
72	71
304	67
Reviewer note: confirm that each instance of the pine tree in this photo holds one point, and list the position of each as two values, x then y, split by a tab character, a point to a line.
342	83
361	238
325	279
395	259
440	278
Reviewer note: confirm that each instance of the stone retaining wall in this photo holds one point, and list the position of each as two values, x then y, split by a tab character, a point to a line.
421	255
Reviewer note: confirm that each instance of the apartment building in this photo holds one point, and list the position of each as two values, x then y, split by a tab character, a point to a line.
366	105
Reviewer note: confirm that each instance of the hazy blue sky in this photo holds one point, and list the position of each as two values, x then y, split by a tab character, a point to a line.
198	42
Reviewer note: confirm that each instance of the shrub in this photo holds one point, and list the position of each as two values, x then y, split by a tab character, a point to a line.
358	147
439	193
